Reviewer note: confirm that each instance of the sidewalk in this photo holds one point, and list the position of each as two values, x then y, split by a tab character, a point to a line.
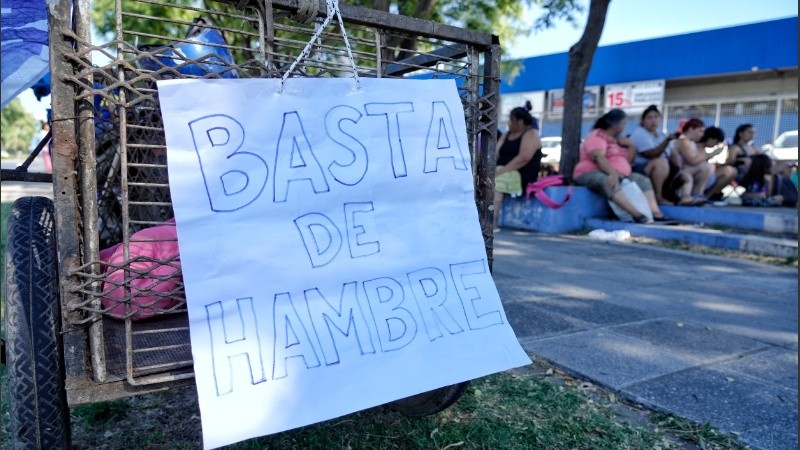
702	337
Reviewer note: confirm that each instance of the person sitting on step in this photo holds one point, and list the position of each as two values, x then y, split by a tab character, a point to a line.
605	159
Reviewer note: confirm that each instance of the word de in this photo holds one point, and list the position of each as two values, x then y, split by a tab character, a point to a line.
322	238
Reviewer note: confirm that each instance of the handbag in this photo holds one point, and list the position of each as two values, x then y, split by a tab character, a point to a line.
537	189
634	195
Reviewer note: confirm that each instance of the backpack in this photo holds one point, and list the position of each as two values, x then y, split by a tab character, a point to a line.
537	189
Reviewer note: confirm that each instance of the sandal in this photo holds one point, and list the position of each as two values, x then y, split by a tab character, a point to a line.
664	202
689	201
663	218
642	219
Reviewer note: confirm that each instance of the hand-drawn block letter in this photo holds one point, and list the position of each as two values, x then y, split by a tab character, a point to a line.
235	343
396	325
295	160
233	178
321	237
354	216
353	172
291	338
442	141
392	111
346	318
429	287
471	297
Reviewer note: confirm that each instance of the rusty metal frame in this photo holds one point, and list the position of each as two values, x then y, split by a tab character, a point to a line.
75	173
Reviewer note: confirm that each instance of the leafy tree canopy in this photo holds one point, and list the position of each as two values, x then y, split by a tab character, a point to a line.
504	18
18	127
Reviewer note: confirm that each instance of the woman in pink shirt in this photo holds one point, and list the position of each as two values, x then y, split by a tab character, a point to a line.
605	160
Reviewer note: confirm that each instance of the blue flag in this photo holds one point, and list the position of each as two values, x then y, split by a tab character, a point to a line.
25	50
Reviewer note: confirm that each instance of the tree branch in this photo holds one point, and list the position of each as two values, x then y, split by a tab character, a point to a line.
580	60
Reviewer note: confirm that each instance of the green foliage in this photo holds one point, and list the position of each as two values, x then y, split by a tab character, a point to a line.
505	18
501	17
18	127
103	18
557	10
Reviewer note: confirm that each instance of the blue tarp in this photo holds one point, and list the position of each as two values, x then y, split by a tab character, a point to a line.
25	50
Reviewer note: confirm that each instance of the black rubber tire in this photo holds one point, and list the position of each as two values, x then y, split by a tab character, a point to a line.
430	402
37	398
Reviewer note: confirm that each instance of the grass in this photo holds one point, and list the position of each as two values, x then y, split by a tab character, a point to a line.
678	245
704	436
509	411
515	410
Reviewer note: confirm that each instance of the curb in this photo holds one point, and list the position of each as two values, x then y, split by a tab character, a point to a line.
762	245
756	219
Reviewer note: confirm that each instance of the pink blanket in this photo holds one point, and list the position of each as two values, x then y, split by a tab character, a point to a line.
153	283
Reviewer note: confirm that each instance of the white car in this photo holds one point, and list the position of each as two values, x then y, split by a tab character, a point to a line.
551	149
784	148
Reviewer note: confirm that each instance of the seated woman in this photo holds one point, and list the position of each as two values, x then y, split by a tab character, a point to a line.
758	183
723	173
651	143
692	162
604	160
519	154
741	152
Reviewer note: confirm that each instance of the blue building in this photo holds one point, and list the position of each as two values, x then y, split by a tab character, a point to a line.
727	76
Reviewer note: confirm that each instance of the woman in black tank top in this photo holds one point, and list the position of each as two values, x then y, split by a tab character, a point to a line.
741	152
519	150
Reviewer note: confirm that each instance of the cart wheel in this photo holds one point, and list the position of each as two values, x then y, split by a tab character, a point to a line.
430	402
37	400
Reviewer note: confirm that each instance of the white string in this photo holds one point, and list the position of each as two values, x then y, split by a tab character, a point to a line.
332	10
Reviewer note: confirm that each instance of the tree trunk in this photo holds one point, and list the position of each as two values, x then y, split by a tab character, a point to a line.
580	60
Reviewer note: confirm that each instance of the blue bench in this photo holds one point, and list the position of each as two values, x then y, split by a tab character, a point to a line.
532	215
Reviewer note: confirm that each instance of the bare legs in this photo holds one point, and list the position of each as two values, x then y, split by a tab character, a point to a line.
725	174
657	170
498	202
694	179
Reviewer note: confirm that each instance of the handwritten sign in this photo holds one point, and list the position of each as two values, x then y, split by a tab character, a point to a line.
330	248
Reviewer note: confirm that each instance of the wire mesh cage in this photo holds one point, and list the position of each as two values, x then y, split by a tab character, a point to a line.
121	279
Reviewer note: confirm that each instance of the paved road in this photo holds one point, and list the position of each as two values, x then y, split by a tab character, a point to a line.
703	337
11	190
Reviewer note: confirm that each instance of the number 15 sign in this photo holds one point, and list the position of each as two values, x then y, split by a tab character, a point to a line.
634	96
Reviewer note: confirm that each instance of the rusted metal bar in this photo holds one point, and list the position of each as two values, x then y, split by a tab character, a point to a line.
39	147
64	150
32	177
88	180
399	68
486	168
358	15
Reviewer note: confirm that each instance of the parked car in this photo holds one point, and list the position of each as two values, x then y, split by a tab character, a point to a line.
784	148
551	149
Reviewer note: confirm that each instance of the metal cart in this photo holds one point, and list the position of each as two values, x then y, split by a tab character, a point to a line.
66	346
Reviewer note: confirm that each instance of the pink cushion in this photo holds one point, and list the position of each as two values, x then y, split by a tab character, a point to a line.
157	279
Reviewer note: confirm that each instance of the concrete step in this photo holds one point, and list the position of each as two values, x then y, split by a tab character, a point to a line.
769	220
696	235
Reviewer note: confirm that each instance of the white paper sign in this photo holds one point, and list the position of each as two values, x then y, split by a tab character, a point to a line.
634	96
330	248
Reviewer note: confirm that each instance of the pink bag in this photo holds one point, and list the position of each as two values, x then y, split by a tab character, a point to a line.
149	277
537	189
